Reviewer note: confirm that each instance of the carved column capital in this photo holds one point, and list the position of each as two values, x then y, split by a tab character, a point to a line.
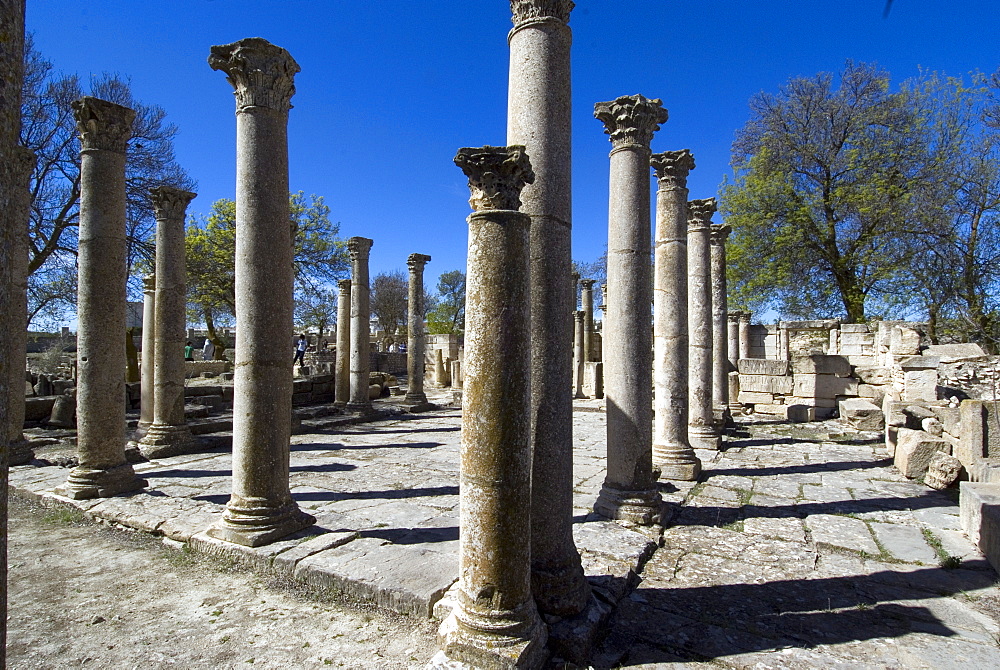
149	284
170	203
102	124
344	285
578	316
588	284
700	213
496	176
262	74
720	232
631	120
524	11
416	262
745	315
359	248
672	167
734	317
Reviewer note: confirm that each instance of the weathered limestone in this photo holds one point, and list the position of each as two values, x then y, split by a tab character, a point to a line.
539	117
672	452
359	248
587	305
146	374
744	335
629	492
168	433
733	338
105	129
342	374
702	430
18	449
440	369
416	337
720	351
495	623
578	353
261	508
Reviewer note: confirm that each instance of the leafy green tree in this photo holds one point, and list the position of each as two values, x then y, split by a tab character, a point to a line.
448	315
389	292
315	307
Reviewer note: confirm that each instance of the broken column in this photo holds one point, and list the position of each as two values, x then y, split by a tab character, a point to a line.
702	431
103	471
720	351
19	450
629	492
495	623
261	508
342	373
672	452
415	336
587	305
146	374
168	433
361	312
733	338
744	334
578	353
539	112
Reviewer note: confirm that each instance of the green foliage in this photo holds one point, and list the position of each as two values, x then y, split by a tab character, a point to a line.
448	315
389	293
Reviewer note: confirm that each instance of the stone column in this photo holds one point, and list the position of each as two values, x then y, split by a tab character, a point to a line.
261	508
169	433
672	452
744	335
578	353
702	431
22	164
495	623
629	492
146	373
733	338
342	374
587	305
720	349
105	129
361	312
539	116
415	335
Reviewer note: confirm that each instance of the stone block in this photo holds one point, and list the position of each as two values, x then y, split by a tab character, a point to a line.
821	364
866	338
914	450
38	409
865	360
773	408
920	384
861	414
854	328
812	402
814	324
800	413
872	393
979	511
762	366
942	471
808	385
979	434
873	374
766	384
952	353
903	340
753	398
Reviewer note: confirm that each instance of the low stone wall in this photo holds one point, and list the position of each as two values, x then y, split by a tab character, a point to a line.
195	368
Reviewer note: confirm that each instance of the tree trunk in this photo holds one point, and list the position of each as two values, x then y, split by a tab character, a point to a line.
213	335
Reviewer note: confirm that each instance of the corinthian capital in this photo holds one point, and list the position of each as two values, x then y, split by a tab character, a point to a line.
672	167
720	231
631	120
496	175
416	262
102	124
345	286
700	213
170	203
262	74
534	10
149	283
359	247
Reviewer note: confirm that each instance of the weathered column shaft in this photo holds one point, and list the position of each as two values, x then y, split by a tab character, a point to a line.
415	335
720	349
629	492
261	508
20	167
342	374
672	452
146	374
587	305
578	354
359	248
702	432
105	129
496	623
539	116
733	338
745	334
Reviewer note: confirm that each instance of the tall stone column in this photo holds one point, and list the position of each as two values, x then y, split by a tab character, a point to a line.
342	374
629	492
21	167
415	335
146	374
169	433
105	129
361	312
495	623
733	338
672	452
587	305
720	349
539	116
745	334
578	353
261	508
702	430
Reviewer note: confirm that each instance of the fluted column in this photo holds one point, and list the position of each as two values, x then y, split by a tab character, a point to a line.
539	116
361	312
672	453
587	305
578	353
21	166
702	431
495	623
629	492
415	335
720	349
146	374
342	374
745	334
169	433
105	129
261	508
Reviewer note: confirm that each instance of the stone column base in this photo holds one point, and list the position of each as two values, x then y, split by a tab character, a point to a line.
360	408
702	437
252	525
163	441
677	462
20	452
140	431
498	641
641	508
85	483
560	588
415	399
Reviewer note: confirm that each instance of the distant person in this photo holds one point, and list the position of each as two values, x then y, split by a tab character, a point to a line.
300	350
208	351
189	352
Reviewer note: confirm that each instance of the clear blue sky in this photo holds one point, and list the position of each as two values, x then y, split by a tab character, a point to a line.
390	89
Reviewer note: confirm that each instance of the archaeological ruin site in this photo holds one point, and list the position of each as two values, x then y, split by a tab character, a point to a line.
630	470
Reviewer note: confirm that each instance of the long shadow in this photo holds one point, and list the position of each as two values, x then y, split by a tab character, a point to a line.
413	535
806	468
316	446
325	467
401	494
446	429
188	474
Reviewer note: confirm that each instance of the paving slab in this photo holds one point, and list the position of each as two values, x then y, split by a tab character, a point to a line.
907	543
842	532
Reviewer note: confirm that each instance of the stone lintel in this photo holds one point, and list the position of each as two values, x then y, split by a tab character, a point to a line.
631	120
496	175
102	124
262	74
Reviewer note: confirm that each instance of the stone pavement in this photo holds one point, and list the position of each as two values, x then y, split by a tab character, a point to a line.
800	547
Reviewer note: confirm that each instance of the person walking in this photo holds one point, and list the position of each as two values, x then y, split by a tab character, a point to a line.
189	352
300	350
